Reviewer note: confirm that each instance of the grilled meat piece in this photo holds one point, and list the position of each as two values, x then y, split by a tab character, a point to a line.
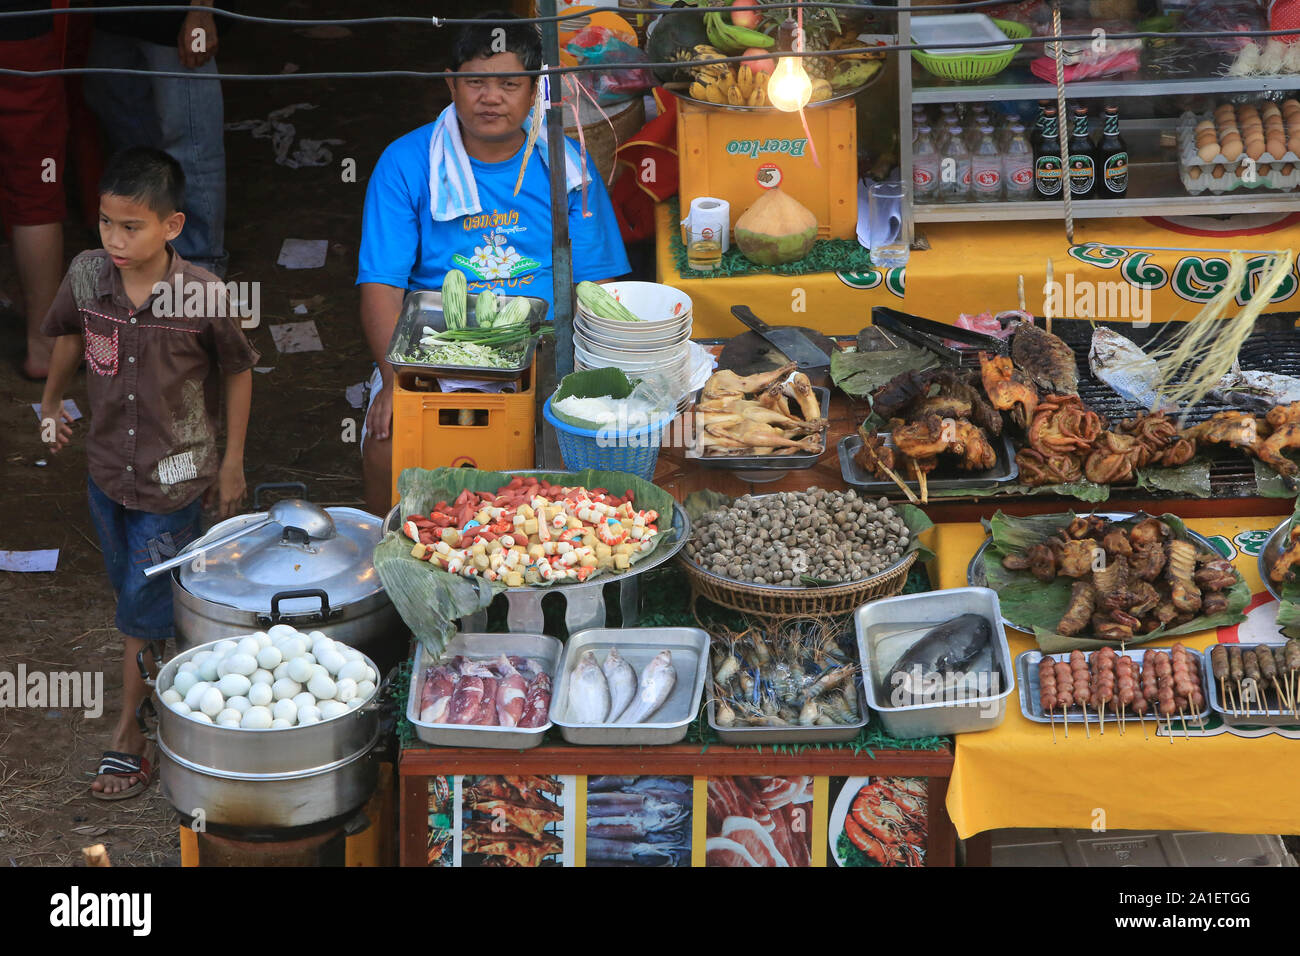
1008	388
1184	593
1159	440
1064	425
1079	612
1147	532
1283	415
1087	526
1116	543
1077	557
1238	429
1146	563
1037	468
1040	561
1047	360
1282	568
1215	576
1270	450
1113	459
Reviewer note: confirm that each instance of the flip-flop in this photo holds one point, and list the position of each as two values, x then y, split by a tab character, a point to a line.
114	763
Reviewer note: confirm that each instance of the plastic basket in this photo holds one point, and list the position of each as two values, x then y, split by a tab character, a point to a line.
974	66
635	452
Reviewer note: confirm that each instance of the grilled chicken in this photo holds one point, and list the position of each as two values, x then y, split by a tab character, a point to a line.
726	382
1008	388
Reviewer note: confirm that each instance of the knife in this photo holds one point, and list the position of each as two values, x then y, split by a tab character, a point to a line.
790	342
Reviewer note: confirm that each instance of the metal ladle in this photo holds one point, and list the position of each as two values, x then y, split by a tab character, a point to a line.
311	519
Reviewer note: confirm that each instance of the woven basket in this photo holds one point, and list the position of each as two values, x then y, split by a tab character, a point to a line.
770	601
602	136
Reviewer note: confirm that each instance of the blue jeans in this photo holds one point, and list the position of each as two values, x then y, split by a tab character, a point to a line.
183	117
131	542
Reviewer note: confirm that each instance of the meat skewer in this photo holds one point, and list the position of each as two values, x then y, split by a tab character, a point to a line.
1047	691
1250	667
1082	688
1140	707
1268	673
1236	670
1292	652
1283	674
1124	686
1219	667
1065	692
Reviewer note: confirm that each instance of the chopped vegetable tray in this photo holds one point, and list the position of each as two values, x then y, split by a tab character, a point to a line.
423	308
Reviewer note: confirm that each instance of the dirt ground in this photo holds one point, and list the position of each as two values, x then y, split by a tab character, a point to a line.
64	620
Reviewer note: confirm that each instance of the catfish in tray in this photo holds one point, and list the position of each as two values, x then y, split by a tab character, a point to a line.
943	659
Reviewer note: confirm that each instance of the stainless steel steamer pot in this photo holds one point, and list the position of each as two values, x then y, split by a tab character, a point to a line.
288	777
279	575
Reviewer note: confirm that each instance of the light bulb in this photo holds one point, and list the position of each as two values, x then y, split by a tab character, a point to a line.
789	89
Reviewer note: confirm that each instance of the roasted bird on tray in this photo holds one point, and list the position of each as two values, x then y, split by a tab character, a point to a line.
1128	581
768	413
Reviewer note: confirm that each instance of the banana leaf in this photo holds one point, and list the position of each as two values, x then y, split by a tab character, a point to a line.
591	383
1269	484
1191	479
1036	607
431	600
1288	609
858	374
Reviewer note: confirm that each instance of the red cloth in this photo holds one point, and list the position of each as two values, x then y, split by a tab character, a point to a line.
647	166
1282	15
33	130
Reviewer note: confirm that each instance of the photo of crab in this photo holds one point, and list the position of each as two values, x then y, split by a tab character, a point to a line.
512	820
759	821
879	821
442	814
639	821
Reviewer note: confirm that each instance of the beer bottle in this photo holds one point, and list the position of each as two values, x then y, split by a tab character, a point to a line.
1083	157
1047	159
1112	159
1036	133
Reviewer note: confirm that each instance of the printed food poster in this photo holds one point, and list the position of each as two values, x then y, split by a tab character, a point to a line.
878	821
639	821
505	820
763	821
442	821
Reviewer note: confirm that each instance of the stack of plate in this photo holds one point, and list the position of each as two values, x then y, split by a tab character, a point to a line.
660	342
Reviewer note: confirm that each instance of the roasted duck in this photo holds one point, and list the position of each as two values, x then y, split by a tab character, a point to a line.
769	413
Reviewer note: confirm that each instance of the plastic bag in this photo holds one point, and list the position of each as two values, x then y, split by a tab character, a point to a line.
597	44
1227	17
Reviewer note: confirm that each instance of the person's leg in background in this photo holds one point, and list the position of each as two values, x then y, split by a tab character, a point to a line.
191	116
124	104
33	144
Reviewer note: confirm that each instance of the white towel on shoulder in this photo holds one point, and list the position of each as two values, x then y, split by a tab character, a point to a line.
452	190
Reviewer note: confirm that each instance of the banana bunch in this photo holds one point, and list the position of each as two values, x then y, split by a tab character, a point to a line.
744	87
821	90
850	73
845	42
708	72
731	39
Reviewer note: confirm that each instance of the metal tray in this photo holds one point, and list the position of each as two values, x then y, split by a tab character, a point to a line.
1031	705
781	463
425	308
975	570
945	477
1268	718
1268	556
792	734
546	650
638	645
927	610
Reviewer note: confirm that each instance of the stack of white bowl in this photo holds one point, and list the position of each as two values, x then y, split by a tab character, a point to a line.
660	342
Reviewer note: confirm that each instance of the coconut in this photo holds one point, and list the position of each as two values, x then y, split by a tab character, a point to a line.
776	229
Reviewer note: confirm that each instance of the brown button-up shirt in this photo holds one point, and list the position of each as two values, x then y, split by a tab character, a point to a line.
154	377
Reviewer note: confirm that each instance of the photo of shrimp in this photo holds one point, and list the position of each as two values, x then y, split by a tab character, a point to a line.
759	821
639	821
512	820
880	821
442	814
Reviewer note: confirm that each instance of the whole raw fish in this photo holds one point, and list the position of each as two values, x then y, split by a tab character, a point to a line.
948	648
1257	391
1131	373
622	681
657	681
589	691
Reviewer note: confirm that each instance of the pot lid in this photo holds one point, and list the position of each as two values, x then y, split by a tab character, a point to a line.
248	572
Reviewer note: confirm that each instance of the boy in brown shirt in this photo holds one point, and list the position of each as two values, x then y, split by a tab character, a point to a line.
156	373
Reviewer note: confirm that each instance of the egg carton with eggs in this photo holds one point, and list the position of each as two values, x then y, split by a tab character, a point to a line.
271	680
1266	133
1217	179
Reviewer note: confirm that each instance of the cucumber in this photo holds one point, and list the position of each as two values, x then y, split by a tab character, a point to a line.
599	302
485	309
454	299
515	313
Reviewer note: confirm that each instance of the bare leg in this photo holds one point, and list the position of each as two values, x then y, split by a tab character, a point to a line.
377	475
126	735
38	254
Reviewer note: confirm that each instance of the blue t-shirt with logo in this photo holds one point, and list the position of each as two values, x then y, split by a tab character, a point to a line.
505	247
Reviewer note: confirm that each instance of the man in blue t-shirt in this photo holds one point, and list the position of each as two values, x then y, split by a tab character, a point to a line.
408	243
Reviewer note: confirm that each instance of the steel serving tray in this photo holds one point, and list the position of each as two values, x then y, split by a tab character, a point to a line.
793	733
908	614
975	570
943	478
420	309
1032	707
540	647
1238	717
1268	556
638	645
781	463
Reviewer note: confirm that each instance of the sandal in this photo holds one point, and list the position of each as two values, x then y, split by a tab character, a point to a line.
114	763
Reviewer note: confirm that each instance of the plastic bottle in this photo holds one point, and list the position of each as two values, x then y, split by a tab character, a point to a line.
925	167
986	168
1018	166
954	167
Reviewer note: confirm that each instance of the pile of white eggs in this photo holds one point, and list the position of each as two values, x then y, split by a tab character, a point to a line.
271	680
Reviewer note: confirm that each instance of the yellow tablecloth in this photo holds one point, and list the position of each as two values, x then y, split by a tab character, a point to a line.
1015	776
975	267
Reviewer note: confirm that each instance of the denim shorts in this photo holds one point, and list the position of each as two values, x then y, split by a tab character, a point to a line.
131	541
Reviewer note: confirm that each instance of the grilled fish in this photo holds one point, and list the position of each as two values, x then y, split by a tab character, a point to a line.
1257	391
1047	360
1131	373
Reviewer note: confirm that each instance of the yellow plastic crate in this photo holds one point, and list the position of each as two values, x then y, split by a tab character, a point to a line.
722	152
433	429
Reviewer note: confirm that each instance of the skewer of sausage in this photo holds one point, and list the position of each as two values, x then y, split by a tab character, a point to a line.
1250	667
1064	692
1280	681
1236	670
1082	687
1047	691
1140	707
1125	686
1103	691
1219	667
1292	654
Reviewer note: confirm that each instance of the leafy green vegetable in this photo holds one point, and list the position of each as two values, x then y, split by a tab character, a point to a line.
467	353
860	373
850	854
